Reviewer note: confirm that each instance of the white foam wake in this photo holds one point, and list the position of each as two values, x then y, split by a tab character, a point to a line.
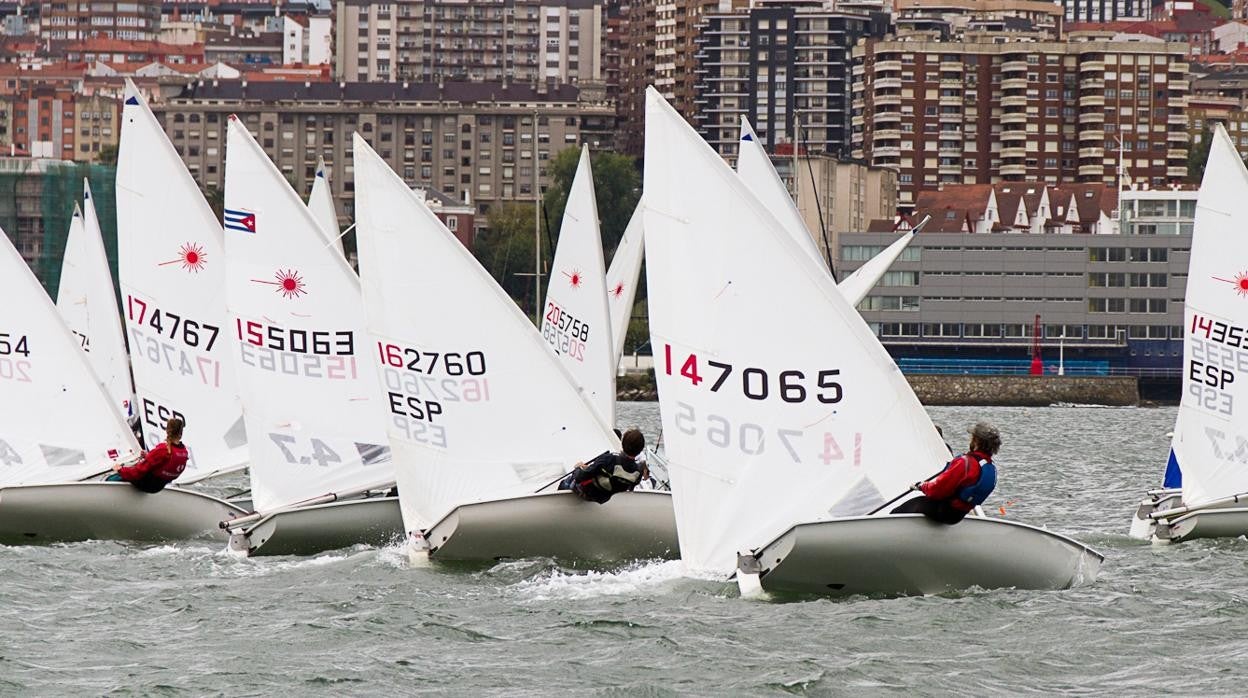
641	579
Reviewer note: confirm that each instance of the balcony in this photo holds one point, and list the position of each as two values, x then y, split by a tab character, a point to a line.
1179	86
1177	119
886	152
950	100
1014	101
1014	67
1013	135
884	66
1013	169
1177	172
1092	117
888	134
882	100
1176	154
1092	66
1177	136
955	118
1096	170
951	66
950	169
1178	68
888	83
886	117
1013	153
1094	135
1014	117
1014	84
857	120
1096	100
1091	152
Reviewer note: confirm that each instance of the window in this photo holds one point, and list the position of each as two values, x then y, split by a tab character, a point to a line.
900	278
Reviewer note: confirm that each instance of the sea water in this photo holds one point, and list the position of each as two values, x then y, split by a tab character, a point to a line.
188	618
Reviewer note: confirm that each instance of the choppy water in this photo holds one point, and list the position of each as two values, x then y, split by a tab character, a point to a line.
98	617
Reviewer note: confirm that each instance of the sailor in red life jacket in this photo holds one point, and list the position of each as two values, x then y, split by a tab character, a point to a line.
964	484
160	466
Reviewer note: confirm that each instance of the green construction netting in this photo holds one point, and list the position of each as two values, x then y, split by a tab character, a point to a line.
37	200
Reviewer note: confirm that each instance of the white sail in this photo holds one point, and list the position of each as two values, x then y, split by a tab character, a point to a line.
480	408
622	278
857	285
57	424
321	204
306	370
759	175
172	266
779	405
575	319
1211	434
87	302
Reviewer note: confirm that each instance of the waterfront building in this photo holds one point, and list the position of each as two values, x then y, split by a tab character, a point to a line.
981	111
131	20
470	141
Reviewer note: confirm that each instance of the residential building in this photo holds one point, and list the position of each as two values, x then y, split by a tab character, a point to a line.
978	111
955	17
244	48
470	141
776	63
458	217
558	41
1146	211
1204	111
1018	207
131	20
97	125
306	40
835	196
1106	10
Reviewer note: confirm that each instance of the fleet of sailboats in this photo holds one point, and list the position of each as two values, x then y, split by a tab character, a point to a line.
415	402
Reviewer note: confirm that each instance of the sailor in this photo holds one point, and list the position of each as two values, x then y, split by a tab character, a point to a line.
609	473
159	466
964	484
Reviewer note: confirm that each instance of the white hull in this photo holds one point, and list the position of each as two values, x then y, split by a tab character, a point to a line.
55	513
906	554
1142	527
1206	523
632	526
313	529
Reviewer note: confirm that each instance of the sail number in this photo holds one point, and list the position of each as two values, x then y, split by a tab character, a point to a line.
301	454
11	345
1228	447
8	454
753	439
756	383
160	353
564	332
296	341
451	363
190	332
1219	331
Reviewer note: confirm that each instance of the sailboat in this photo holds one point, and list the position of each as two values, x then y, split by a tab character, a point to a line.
756	170
321	204
1205	492
622	277
87	302
576	321
786	422
306	368
483	419
172	272
59	426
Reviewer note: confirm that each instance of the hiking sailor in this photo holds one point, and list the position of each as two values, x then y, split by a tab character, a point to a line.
160	466
964	484
609	473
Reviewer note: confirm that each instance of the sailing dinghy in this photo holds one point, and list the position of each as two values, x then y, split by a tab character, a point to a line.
622	277
1207	480
755	168
483	419
321	204
59	426
307	379
171	263
786	422
87	302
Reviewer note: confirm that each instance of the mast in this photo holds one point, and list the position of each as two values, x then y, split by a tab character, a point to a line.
537	231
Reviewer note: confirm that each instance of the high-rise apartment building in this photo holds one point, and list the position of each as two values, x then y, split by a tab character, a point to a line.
474	142
1106	10
132	20
779	64
978	111
556	41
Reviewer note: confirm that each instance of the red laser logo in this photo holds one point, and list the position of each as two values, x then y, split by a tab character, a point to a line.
288	282
191	256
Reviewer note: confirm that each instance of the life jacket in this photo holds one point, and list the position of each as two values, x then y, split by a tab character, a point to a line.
172	465
610	473
975	494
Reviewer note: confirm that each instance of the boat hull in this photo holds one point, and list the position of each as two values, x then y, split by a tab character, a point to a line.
1142	526
1220	522
909	555
68	512
639	525
314	529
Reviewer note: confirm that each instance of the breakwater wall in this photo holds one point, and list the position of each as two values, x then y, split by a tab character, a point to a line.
1007	390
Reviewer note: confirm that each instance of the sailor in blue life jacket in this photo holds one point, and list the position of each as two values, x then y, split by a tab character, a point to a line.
609	473
964	484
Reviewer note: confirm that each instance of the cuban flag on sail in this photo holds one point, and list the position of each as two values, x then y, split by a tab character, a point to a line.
241	221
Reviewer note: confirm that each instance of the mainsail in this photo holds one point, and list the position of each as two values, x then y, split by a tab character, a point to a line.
57	424
622	277
87	303
779	404
759	175
307	375
1210	441
479	407
171	263
575	318
321	204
